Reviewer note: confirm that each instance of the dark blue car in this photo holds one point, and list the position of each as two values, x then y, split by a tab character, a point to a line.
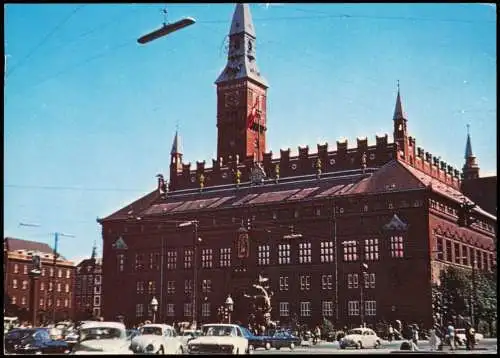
254	341
283	339
33	341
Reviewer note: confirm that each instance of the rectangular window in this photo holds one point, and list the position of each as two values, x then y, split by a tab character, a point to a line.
263	255
59	273
188	287
14	283
225	257
206	286
171	260
42	286
66	302
283	254
353	308
370	308
140	287
305	282
58	287
68	273
25	269
139	262
327	308
305	309
468	255
327	282
16	268
205	309
41	302
448	250
439	248
352	280
58	303
43	272
97	290
371	280
97	300
305	252
206	258
483	262
139	310
326	253
187	309
397	246
51	272
170	310
371	249
170	287
284	309
25	285
151	287
350	251
120	262
283	283
188	258
154	261
457	253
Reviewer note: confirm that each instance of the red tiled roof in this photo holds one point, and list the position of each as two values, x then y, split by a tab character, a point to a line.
135	207
245	199
303	193
19	244
273	196
330	191
195	204
161	208
221	201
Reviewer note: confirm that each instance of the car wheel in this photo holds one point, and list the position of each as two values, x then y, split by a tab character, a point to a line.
179	350
377	344
38	352
161	350
278	348
268	346
237	351
251	347
342	347
292	346
359	345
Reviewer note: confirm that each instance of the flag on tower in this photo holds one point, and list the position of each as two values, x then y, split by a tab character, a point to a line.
253	113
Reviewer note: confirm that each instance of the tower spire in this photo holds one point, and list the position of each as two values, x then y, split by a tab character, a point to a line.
471	168
241	53
398	109
176	145
94	250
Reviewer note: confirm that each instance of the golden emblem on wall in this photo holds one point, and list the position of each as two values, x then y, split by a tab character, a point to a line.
242	244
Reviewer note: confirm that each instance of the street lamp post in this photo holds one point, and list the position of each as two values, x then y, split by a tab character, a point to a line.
154	306
230	307
196	240
364	268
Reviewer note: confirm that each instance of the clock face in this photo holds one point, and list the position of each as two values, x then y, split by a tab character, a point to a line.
232	99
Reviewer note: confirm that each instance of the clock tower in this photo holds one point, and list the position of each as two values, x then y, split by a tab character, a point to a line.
241	95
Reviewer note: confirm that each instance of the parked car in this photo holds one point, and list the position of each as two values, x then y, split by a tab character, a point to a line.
460	336
102	338
72	338
219	338
254	341
33	341
187	335
157	339
360	338
283	339
10	323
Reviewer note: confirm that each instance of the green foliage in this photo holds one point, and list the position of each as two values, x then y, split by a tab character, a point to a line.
459	289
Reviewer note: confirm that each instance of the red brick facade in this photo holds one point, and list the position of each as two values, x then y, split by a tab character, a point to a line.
387	205
51	291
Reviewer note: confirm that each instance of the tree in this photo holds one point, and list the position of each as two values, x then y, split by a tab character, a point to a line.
486	298
456	292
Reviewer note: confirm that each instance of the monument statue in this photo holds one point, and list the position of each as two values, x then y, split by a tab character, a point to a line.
260	315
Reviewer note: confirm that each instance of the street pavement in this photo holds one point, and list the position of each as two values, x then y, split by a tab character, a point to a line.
486	346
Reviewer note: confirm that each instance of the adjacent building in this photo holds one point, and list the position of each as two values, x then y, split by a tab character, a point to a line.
88	287
352	234
54	287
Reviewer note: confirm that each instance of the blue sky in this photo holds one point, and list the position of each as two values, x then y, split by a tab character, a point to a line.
89	115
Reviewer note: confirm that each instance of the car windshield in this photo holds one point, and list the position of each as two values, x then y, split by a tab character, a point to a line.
101	333
355	331
20	333
219	331
151	330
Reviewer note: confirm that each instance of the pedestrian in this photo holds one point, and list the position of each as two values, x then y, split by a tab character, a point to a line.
470	338
433	339
414	336
450	335
391	333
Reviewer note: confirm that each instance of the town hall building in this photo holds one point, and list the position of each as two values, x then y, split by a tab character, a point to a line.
352	234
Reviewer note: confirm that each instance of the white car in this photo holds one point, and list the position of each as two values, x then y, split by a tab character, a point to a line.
187	335
102	338
460	336
157	339
219	338
360	338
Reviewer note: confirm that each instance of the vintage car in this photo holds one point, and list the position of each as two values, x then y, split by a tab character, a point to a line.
102	338
157	339
283	339
33	341
360	338
187	335
254	341
219	338
460	336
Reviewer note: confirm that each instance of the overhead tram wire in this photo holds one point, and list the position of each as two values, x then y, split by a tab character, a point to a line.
45	39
